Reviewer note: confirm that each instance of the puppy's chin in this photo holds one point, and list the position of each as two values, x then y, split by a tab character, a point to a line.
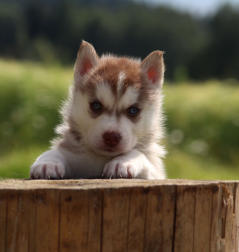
109	152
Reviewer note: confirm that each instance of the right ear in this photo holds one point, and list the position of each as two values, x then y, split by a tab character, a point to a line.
87	58
152	69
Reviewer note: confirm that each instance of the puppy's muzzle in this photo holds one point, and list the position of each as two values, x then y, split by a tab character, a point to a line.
111	138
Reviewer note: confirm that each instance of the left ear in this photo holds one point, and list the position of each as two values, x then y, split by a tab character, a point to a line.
152	69
87	59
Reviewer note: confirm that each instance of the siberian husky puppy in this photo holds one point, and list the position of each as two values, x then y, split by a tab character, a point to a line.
112	120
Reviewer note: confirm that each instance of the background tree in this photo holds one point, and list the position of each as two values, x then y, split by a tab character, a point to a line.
51	31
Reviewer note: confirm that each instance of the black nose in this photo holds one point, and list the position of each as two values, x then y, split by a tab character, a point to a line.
111	138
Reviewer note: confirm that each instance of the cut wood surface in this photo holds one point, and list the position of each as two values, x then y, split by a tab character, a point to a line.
119	215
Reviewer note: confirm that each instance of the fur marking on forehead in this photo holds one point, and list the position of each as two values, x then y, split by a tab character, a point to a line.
119	71
129	98
115	81
120	83
104	94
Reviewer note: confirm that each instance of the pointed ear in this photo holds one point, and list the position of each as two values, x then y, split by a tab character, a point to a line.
87	58
152	69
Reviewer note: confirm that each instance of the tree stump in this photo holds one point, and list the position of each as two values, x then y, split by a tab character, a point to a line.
119	215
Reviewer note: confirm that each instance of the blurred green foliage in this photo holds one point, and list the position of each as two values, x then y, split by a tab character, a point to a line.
202	121
50	31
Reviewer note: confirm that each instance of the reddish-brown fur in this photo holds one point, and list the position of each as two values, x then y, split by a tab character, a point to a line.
108	71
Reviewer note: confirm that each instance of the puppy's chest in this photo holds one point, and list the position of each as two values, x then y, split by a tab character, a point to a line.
86	165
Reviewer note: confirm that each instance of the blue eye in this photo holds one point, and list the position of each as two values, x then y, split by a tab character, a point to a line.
133	111
96	106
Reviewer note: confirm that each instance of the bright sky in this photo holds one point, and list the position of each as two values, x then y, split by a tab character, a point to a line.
201	7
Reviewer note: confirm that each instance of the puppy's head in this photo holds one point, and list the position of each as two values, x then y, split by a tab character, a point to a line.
115	102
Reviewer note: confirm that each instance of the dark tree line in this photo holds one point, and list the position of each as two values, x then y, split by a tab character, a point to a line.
51	31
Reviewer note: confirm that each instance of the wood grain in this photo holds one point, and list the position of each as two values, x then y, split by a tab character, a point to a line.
115	220
119	215
46	220
3	221
160	219
136	219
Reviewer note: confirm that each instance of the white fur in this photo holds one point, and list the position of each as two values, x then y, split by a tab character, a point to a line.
134	164
104	94
70	165
137	155
110	123
88	164
121	79
129	98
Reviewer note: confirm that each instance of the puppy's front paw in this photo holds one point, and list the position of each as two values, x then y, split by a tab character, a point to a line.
118	168
47	171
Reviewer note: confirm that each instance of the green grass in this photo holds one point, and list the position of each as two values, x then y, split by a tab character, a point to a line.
202	122
15	163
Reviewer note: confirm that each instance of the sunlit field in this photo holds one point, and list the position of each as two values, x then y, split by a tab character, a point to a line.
202	122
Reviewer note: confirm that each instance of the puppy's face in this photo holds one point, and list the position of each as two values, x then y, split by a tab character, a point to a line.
115	100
